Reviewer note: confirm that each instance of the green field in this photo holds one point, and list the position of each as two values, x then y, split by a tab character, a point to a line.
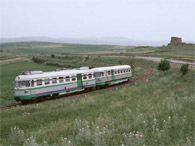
159	111
155	112
44	48
5	55
8	74
185	52
178	52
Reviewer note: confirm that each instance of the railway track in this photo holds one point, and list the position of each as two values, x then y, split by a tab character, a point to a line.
148	73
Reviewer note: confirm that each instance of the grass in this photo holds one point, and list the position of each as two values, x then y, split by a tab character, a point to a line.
178	52
185	52
5	55
155	112
70	61
37	48
8	74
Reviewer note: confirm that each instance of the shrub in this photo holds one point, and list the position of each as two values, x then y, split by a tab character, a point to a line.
132	63
164	65
17	136
52	55
184	69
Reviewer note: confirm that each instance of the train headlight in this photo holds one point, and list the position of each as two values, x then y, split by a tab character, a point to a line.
26	91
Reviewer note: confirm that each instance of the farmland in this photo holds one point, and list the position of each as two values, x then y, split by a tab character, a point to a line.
177	52
45	48
158	111
145	113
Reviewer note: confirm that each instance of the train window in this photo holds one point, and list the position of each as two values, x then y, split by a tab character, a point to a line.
47	81
90	76
119	71
32	83
39	82
21	84
54	80
67	79
61	79
102	74
73	78
109	73
96	74
84	76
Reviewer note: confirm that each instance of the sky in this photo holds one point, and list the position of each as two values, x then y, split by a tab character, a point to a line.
148	20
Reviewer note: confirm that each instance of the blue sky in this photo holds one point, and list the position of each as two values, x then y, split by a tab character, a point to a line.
149	20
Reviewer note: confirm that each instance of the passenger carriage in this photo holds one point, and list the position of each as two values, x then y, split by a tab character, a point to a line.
112	74
35	84
38	84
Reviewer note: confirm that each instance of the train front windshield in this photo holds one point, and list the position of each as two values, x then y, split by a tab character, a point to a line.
22	84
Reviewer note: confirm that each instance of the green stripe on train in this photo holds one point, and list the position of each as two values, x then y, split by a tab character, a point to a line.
110	82
50	86
65	91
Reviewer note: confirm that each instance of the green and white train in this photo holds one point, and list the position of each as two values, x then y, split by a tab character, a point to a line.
38	84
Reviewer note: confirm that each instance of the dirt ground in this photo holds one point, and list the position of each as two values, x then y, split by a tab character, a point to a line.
7	61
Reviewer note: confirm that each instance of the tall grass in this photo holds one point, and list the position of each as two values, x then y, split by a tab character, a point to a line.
8	73
155	112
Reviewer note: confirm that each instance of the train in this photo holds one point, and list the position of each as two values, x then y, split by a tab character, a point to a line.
32	85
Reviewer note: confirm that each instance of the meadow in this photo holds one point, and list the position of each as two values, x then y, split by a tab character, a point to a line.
159	111
45	48
186	52
8	73
5	55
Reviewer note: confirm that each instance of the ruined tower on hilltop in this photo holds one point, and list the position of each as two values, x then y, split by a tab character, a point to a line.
175	41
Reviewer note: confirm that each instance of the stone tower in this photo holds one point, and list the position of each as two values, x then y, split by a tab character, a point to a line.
175	41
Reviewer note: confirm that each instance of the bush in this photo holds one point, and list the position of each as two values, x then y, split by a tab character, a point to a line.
52	55
132	63
164	65
184	69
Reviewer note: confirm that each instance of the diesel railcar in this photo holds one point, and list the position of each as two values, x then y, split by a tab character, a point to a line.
38	84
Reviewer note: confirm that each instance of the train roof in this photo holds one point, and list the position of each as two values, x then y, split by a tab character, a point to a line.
111	68
52	74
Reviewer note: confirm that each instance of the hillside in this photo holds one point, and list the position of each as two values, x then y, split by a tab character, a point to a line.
155	112
38	48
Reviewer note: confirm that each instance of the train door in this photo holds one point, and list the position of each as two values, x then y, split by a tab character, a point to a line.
112	74
106	75
79	81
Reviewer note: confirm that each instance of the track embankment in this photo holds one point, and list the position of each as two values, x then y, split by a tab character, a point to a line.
147	74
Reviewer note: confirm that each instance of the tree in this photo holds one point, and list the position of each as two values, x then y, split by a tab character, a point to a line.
52	55
132	63
184	69
164	65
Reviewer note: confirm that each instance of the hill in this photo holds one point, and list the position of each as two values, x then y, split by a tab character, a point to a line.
155	112
38	48
90	40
